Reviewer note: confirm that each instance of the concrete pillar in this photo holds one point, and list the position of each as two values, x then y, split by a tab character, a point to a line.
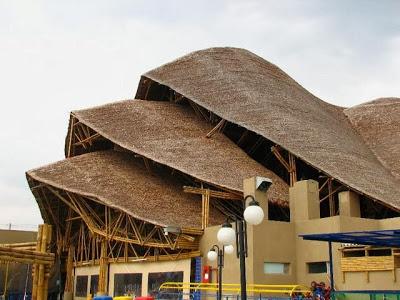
349	204
304	201
249	188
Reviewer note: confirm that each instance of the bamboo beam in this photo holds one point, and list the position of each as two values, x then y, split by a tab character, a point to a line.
70	137
256	145
217	128
87	140
206	209
19	245
292	171
148	258
212	193
332	209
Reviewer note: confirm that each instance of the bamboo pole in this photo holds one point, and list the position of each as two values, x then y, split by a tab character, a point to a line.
35	268
70	264
102	289
6	281
40	284
43	272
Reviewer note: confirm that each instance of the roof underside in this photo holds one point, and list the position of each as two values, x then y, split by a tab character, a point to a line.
174	136
120	181
247	90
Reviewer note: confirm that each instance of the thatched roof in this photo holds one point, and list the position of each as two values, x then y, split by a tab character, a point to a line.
119	180
378	122
244	89
173	135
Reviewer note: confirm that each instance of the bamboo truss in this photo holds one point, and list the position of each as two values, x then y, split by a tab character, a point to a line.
252	143
80	137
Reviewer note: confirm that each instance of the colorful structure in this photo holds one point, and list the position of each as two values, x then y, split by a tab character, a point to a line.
145	182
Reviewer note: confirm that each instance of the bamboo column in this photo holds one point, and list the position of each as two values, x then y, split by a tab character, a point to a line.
35	267
41	273
6	280
69	280
102	290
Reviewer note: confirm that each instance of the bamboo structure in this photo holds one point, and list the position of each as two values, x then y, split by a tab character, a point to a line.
41	272
103	269
135	168
69	278
40	257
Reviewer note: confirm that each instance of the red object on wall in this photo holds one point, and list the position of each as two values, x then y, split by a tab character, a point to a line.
206	274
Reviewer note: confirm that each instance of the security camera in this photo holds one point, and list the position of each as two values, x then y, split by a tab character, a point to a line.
263	183
171	229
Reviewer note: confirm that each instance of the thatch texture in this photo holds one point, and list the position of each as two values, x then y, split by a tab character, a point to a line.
174	136
243	88
119	180
378	122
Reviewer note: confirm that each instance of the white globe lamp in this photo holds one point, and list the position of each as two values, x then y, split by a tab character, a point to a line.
226	235
253	214
212	255
229	249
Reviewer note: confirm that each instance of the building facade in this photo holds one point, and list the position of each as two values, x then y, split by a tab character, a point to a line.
146	183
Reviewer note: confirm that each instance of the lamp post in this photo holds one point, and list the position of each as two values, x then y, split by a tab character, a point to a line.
218	253
254	215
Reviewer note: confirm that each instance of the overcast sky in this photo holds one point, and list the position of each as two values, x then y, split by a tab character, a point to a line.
58	56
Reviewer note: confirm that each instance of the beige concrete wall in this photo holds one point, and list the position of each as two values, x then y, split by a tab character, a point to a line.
150	267
274	242
231	272
314	251
139	267
84	271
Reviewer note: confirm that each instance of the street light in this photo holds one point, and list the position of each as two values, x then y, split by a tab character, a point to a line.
254	215
214	253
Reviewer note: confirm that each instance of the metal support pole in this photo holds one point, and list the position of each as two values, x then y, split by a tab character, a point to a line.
220	266
331	267
242	259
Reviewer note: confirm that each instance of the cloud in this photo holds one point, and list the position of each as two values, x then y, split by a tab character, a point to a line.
58	56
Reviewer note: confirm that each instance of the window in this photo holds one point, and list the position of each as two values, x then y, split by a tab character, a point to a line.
317	267
156	279
94	284
276	268
128	284
81	286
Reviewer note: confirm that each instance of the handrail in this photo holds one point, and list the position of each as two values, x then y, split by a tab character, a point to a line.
288	289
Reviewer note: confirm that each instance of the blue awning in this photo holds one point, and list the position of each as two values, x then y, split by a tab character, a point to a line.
389	238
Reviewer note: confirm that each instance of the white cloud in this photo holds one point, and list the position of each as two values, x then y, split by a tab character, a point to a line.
57	56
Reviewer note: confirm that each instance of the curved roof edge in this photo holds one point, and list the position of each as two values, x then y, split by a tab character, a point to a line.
117	180
234	82
172	135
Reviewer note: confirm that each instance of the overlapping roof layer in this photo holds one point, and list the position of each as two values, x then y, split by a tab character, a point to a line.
244	89
174	136
378	122
120	181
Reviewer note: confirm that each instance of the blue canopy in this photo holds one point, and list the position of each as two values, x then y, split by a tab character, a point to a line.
389	238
